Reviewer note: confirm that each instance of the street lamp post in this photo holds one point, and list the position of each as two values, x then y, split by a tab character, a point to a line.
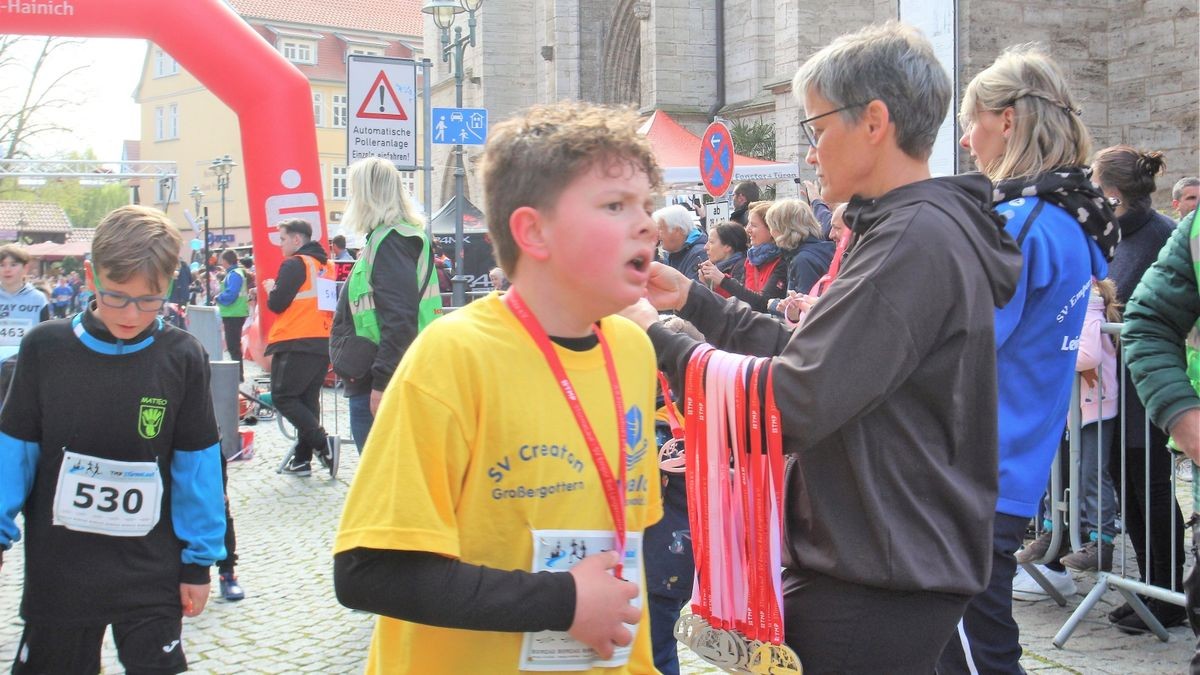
196	194
443	12
221	168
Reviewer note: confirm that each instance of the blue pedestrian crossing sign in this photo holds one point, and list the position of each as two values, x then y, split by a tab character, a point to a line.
459	126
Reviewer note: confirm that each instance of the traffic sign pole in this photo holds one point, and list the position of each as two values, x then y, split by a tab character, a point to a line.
716	159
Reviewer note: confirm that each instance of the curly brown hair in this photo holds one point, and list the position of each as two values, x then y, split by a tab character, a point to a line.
530	159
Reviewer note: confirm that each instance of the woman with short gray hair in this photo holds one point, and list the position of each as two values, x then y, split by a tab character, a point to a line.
890	494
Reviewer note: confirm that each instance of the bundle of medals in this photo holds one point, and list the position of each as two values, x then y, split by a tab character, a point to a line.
734	475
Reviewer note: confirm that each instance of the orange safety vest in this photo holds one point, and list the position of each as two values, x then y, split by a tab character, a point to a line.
302	319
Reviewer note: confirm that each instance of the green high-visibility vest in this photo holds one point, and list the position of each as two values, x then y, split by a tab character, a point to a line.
361	297
1192	347
1193	338
241	305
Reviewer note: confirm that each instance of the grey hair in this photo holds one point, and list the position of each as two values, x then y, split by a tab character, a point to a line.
1185	182
675	217
378	197
890	62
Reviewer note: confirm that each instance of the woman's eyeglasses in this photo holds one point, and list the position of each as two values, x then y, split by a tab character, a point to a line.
810	133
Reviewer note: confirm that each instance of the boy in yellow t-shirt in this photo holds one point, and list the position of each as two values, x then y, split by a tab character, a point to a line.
479	486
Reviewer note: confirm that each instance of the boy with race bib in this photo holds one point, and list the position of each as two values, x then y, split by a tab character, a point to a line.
123	504
21	308
495	520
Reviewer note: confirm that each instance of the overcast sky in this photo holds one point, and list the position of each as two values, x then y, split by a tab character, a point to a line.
102	113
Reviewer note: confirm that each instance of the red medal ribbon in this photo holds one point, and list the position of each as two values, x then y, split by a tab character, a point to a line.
696	477
614	487
775	463
760	555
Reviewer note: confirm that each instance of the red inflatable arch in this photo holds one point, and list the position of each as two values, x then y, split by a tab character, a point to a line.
279	151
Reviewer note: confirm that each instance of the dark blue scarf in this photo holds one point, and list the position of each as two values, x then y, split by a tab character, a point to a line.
763	254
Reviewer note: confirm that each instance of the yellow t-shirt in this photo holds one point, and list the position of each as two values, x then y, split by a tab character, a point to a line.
474	447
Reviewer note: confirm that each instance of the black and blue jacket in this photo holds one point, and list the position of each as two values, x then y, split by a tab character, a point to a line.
108	385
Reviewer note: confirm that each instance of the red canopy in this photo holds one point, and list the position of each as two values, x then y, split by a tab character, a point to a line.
49	249
678	153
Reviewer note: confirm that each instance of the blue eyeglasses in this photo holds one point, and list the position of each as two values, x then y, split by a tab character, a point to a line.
145	303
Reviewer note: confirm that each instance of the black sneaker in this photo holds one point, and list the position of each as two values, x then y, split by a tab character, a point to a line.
1120	613
297	468
332	454
329	453
1167	614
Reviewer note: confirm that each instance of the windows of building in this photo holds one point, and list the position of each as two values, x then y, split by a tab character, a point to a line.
340	111
298	51
409	179
365	51
164	65
164	192
166	122
338	184
319	108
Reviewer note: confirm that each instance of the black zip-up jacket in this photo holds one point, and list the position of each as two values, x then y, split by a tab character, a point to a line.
394	282
888	391
287	283
1144	232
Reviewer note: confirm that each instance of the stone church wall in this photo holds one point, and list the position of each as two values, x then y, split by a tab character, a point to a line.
1134	64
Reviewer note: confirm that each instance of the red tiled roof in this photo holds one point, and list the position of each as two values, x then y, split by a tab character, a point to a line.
80	235
331	53
395	17
38	217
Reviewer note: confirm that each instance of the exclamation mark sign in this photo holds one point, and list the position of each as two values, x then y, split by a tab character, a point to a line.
381	98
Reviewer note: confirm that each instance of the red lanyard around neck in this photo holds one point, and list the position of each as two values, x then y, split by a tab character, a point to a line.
614	487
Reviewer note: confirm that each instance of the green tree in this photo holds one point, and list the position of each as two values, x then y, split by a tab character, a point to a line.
755	139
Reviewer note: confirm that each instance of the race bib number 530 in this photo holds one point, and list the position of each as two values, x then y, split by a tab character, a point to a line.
105	496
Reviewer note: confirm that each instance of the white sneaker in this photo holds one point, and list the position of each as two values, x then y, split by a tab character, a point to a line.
1026	588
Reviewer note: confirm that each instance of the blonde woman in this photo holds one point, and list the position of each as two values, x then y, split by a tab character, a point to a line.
1023	129
799	233
388	296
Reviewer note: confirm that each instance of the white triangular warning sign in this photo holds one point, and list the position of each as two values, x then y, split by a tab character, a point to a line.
381	102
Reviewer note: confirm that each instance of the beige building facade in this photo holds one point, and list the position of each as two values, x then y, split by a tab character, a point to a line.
182	121
1135	64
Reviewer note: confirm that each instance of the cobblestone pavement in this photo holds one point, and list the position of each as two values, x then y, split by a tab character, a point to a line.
290	621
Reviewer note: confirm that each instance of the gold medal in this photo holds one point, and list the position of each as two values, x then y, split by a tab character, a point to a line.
723	649
769	659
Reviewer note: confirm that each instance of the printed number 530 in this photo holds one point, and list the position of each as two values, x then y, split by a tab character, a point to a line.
107	499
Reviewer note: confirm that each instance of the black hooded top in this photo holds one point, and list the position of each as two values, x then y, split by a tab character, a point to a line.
888	391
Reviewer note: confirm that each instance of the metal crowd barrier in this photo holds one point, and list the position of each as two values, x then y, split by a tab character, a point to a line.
1065	495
